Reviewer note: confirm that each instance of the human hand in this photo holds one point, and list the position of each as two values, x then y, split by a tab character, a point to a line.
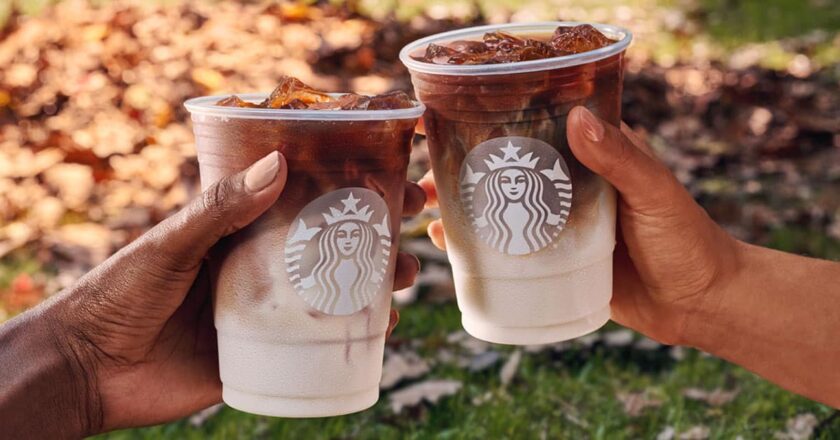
139	326
669	254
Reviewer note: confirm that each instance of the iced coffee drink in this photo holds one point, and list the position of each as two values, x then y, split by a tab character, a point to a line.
529	230
302	295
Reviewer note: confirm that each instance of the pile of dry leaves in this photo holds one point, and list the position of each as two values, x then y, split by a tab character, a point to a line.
95	146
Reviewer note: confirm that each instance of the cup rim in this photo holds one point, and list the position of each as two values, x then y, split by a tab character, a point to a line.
206	106
623	36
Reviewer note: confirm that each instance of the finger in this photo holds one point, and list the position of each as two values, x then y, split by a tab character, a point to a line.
642	180
637	141
414	200
406	271
181	241
393	320
420	127
428	185
435	231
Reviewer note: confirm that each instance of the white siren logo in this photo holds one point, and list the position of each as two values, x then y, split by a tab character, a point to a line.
337	250
517	193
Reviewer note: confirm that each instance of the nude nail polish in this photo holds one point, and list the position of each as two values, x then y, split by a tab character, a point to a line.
593	129
263	172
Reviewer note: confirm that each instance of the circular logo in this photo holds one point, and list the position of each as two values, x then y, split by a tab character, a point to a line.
337	250
517	193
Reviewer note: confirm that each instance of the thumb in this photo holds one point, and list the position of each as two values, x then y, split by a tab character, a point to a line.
182	241
642	180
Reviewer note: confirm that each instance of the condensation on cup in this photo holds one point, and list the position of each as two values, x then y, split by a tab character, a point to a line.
530	231
302	295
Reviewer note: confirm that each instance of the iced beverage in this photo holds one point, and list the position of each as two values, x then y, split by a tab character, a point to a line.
529	230
302	295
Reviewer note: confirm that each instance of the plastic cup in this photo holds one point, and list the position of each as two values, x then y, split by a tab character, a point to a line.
530	231
302	295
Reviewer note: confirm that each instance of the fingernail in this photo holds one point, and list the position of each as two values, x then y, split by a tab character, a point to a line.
263	172
593	129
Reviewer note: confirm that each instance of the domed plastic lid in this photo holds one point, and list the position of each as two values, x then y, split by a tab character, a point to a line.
206	106
621	36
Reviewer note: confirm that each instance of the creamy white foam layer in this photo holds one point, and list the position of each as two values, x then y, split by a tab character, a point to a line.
279	356
561	283
256	301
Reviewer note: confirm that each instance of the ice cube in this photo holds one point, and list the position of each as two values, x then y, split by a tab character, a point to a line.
390	101
578	39
291	89
349	101
235	101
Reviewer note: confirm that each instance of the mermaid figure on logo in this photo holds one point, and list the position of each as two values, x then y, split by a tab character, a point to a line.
516	217
347	273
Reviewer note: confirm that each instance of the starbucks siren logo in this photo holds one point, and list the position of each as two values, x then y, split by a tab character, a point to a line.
337	250
517	193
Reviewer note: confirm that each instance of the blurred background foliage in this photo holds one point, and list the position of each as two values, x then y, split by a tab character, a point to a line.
740	98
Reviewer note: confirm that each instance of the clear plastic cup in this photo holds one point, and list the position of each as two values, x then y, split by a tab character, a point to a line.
529	230
302	295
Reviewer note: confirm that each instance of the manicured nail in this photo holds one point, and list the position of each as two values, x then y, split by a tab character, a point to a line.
263	172
593	129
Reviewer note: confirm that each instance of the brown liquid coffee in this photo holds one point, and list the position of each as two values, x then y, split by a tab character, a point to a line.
530	230
302	295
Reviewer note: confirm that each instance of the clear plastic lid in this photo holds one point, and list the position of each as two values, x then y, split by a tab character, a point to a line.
206	106
621	36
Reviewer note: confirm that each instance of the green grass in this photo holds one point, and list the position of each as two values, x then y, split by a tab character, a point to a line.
739	21
571	394
804	241
16	263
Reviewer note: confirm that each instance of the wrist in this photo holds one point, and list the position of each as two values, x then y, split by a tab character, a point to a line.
707	320
48	391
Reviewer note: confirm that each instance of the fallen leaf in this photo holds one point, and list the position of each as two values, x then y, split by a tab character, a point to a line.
210	79
646	344
430	391
800	427
510	368
400	366
14	235
482	398
666	434
588	340
198	419
635	403
46	213
86	243
467	342
698	432
537	348
716	397
561	346
618	338
483	361
73	183
23	292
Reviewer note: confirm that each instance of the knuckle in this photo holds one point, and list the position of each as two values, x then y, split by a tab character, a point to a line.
216	199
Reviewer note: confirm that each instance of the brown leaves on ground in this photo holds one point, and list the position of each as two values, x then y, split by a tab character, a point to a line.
801	427
634	404
429	391
24	292
400	366
92	129
716	397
